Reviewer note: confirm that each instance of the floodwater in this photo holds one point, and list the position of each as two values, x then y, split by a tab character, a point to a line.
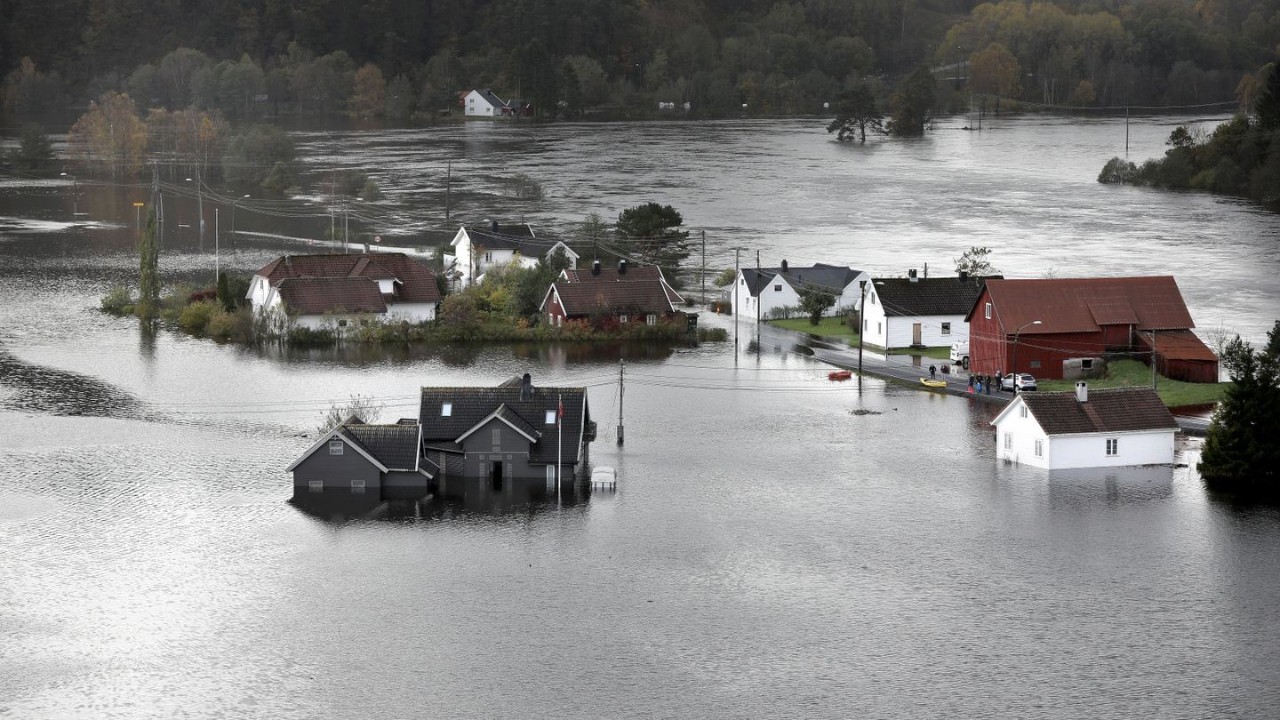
779	545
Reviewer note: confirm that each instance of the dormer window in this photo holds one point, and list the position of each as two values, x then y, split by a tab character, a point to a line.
551	417
446	409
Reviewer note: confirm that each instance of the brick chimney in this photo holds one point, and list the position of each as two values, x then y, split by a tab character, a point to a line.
1082	391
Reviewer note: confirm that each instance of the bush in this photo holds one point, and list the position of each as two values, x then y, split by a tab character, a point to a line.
195	317
307	337
1117	171
224	326
119	301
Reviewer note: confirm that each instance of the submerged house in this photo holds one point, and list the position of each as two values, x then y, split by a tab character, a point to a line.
769	293
479	248
319	290
1086	429
622	296
363	459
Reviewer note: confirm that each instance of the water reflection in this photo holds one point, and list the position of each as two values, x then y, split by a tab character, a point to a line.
1084	489
465	355
453	498
59	392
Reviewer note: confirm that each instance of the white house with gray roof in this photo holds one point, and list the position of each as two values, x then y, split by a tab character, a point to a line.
763	293
479	248
919	311
484	104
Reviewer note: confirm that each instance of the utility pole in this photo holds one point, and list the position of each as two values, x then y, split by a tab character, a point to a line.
200	205
737	290
1126	131
862	324
448	180
757	302
704	266
621	366
217	259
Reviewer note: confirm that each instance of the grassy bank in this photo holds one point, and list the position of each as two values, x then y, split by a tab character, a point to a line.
936	353
829	327
1132	373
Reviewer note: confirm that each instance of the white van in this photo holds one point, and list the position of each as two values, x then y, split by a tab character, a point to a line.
960	352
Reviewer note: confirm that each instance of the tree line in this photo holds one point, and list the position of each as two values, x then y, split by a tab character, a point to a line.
408	59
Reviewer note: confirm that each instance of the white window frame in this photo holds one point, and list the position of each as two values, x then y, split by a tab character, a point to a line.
357	487
777	288
1022	411
1039	448
315	486
1113	447
446	409
497	437
987	312
1008	441
550	417
622	318
336	446
946	328
650	319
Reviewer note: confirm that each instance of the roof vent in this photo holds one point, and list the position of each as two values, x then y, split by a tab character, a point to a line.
784	266
493	225
913	275
1082	391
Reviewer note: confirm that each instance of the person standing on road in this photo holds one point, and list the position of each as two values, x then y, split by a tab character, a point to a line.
933	372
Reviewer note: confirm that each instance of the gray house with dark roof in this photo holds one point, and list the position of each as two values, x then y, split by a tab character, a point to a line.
1088	428
516	431
769	293
357	458
919	311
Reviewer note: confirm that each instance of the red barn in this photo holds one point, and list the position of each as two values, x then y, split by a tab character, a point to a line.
1034	326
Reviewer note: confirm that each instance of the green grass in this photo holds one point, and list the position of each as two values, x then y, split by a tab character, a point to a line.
832	327
937	353
1133	373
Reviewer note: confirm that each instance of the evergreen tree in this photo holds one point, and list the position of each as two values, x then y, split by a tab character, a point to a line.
148	271
1267	106
653	234
855	114
815	302
913	104
224	294
1241	453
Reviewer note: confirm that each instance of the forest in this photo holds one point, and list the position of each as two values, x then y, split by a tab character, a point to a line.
407	60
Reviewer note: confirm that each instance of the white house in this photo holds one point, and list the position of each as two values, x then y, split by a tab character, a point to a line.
920	312
479	248
762	293
1100	428
320	291
483	103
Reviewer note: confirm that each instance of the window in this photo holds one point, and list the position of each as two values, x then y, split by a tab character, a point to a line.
1008	441
1039	448
873	298
551	473
1022	411
315	486
651	319
864	325
497	438
777	288
878	328
986	313
1086	364
1113	447
946	328
622	318
357	487
446	409
1035	363
551	417
335	447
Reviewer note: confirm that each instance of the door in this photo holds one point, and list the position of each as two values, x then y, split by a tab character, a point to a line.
495	475
915	334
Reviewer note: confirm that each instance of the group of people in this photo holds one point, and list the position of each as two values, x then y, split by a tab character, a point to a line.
977	383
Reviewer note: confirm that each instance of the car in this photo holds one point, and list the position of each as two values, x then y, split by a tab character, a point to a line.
1025	382
960	352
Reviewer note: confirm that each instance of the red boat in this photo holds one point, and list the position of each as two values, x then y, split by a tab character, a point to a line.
840	375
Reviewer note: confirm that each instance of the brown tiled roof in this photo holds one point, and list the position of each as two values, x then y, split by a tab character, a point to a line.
643	296
415	282
1065	305
316	296
609	273
1181	345
1108	410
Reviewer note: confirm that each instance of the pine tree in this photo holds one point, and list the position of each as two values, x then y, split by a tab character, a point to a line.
1241	453
224	294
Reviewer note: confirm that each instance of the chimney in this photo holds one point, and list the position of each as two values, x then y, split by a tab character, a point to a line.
493	225
912	275
622	267
595	267
1082	391
526	387
926	271
784	266
964	276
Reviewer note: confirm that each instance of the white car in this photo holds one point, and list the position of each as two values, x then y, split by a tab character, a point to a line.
1025	382
960	352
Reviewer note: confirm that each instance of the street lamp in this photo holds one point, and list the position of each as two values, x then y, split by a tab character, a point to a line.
1016	333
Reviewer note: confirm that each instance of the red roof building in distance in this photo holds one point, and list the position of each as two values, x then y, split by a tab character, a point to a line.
625	294
1039	324
317	289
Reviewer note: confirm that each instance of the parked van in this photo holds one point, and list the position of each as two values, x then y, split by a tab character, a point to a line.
960	352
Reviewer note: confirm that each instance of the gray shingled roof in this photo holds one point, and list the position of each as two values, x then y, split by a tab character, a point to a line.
395	446
927	296
471	405
1107	410
832	278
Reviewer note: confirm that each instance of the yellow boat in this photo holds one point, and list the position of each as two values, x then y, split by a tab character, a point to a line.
933	383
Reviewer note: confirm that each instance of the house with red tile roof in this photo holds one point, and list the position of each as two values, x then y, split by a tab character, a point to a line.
322	290
619	296
1040	326
1088	428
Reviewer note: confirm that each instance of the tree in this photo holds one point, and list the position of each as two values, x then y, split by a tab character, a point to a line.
651	232
976	261
112	133
364	409
1241	453
856	112
725	278
148	270
815	303
994	71
261	156
34	153
225	298
369	97
1267	107
912	104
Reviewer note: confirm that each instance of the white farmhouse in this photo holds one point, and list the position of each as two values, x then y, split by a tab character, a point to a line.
918	312
763	293
478	248
1106	428
484	104
320	291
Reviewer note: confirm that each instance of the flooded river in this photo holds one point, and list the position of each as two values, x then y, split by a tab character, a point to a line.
779	545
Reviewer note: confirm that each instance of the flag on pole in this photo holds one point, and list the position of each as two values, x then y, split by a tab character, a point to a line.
560	409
